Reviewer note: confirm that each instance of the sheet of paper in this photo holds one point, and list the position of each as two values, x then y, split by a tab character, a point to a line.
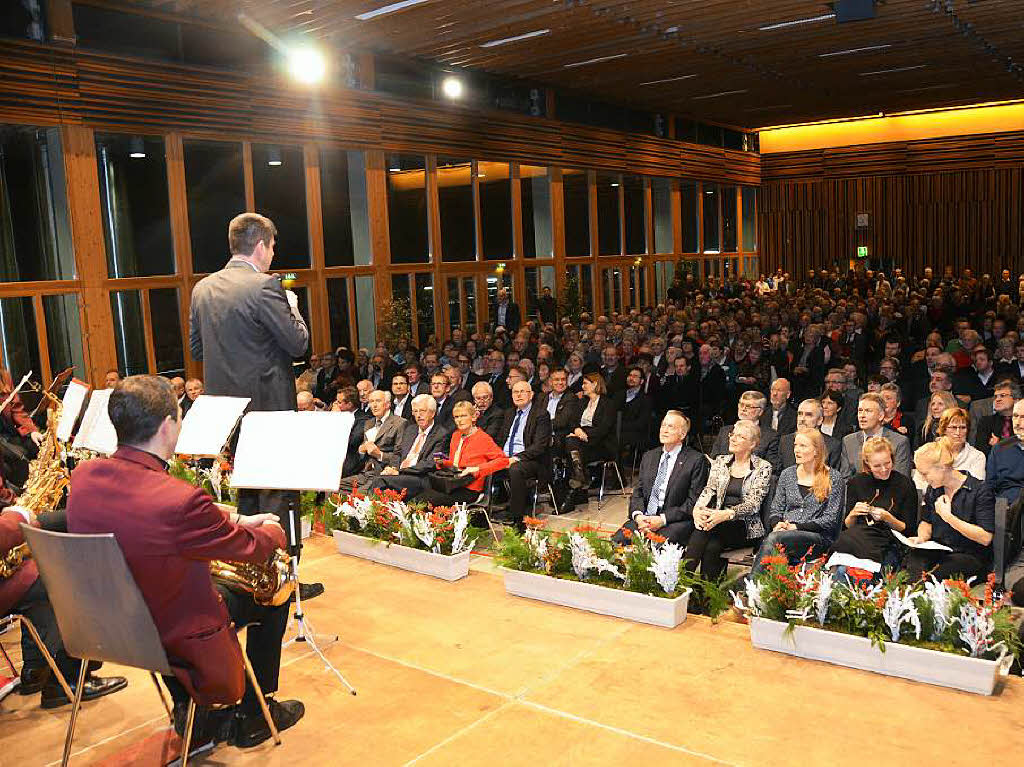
285	450
97	432
208	424
71	407
848	560
926	545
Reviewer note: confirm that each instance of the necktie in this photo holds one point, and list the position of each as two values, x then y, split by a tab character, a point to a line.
512	434
414	454
654	502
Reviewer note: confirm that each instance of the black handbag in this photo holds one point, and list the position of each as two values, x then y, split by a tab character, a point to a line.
447	480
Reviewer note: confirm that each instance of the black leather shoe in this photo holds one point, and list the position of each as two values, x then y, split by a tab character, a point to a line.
309	591
95	687
252	729
211	725
33	678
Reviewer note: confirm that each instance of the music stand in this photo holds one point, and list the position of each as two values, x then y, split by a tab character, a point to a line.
297	451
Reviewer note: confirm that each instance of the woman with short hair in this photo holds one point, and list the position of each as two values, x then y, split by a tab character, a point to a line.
954	424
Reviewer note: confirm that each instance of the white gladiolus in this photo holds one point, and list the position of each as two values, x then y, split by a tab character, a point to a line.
666	566
822	597
585	559
460	540
422	529
976	629
938	595
900	607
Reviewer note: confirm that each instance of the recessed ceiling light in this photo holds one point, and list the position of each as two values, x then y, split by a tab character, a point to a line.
848	51
716	95
894	69
274	156
615	183
452	87
307	65
668	80
394	170
386	9
137	148
516	39
797	22
598	60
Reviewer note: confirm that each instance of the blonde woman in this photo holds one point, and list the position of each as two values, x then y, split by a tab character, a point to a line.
807	507
954	425
958	512
938	403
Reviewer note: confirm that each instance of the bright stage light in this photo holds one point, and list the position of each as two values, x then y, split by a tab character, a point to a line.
307	65
452	87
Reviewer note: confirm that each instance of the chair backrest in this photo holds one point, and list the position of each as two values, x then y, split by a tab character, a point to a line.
99	608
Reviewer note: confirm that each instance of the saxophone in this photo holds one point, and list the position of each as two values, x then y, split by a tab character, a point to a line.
270	583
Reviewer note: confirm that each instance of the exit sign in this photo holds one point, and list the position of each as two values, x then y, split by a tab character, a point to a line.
862	251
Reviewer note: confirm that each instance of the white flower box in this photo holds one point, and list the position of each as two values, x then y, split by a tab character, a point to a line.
932	666
449	568
643	608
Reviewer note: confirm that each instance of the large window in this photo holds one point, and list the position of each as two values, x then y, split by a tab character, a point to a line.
495	209
633	206
337	312
462	309
637	287
609	221
36	230
535	186
366	326
749	218
729	219
407	209
582	275
167	339
215	187
20	345
661	201
134	200
537	278
577	213
455	204
611	284
345	214
688	204
712	242
279	189
64	333
424	282
129	335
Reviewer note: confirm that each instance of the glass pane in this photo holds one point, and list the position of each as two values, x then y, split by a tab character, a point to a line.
495	209
343	195
337	312
129	337
633	201
532	277
215	188
469	291
585	277
535	186
609	224
637	287
279	189
400	290
454	303
577	213
136	211
455	204
729	219
711	201
662	279
64	333
612	286
688	204
35	229
749	218
425	306
18	336
167	339
407	209
661	199
365	312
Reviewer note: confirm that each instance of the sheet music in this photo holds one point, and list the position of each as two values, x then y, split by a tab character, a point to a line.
287	450
97	432
926	545
71	407
208	424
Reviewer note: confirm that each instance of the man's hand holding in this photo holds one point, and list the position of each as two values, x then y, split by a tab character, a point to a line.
259	520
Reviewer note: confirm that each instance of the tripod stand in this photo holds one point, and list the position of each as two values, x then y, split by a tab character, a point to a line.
306	632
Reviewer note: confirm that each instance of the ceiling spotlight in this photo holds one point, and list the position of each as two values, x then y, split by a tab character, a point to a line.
307	65
137	148
452	87
274	156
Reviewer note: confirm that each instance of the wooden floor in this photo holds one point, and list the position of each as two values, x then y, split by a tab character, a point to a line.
462	674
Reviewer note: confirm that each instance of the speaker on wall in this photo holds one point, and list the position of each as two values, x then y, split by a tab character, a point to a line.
854	10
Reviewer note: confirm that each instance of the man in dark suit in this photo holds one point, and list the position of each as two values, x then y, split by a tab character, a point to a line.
998	425
505	313
750	408
382	432
348	402
444	389
976	381
547	307
525	437
780	415
407	467
711	387
323	384
563	409
680	390
637	411
401	399
671	479
491	416
193	388
809	416
1004	470
417	385
614	374
169	531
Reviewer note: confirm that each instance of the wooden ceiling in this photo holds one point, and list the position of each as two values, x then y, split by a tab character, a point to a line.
710	59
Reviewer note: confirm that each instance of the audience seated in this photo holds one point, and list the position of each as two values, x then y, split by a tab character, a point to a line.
780	415
407	467
954	425
1005	467
637	410
870	410
750	408
998	424
401	397
593	438
525	437
833	421
809	416
491	416
381	437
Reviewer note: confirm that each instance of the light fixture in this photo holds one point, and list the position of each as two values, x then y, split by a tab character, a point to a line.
615	183
797	22
137	148
390	8
306	64
500	268
849	51
516	39
716	95
451	87
274	156
598	60
890	71
394	170
668	80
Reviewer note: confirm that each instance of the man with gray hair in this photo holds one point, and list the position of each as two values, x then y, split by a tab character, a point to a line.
750	408
809	415
491	416
406	468
382	431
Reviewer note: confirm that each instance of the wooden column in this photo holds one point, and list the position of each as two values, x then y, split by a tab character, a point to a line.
377	210
558	229
182	238
319	321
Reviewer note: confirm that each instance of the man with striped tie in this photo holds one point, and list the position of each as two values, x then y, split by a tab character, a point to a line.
671	479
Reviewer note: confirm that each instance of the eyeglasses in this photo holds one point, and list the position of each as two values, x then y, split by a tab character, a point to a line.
957	427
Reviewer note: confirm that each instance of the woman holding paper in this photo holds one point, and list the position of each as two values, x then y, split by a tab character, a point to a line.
958	513
878	500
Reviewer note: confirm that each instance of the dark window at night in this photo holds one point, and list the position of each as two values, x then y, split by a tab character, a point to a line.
633	199
407	209
215	187
279	190
609	223
577	213
455	204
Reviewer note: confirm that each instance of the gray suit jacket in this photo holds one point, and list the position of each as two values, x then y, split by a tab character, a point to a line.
243	330
388	439
852	444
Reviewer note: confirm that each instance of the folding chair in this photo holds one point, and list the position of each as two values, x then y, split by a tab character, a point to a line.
483	504
10	621
102	616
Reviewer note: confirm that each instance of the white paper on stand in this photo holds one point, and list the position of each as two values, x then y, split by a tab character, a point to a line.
208	424
288	450
97	432
71	406
926	545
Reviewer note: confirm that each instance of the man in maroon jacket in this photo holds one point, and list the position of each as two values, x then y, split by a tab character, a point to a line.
169	531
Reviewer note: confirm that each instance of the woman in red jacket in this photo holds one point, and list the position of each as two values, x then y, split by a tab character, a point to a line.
473	451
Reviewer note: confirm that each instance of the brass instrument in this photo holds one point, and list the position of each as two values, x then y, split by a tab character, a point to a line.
270	583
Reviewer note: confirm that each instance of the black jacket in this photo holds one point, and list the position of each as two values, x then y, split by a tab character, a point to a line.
787	419
685	483
602	434
436	442
566	412
536	433
636	421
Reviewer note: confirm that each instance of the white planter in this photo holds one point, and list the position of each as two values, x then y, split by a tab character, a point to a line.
306	528
931	666
449	568
658	611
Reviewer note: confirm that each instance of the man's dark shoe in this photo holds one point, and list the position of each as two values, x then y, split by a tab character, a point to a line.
33	678
309	591
252	729
211	725
95	687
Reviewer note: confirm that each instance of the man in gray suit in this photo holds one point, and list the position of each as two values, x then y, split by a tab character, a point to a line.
870	410
382	434
410	463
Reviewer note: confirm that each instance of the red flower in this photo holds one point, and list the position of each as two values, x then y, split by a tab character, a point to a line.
533	522
654	537
627	533
859	575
